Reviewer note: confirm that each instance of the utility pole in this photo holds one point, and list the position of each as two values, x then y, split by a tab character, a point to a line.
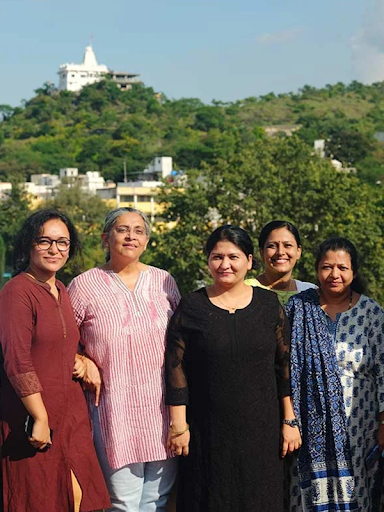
125	171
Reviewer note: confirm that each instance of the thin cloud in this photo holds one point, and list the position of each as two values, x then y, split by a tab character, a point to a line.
368	46
278	37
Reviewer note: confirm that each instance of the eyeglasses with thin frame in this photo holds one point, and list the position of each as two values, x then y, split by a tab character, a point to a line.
63	244
123	230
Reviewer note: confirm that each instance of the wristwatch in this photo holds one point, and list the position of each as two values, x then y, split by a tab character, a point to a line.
292	423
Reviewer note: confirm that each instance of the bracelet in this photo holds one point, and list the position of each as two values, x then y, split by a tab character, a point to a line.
180	432
292	423
381	422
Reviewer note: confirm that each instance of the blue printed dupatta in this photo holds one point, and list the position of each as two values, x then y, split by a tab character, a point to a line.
324	461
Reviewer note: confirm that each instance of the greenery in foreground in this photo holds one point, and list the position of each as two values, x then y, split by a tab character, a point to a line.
235	174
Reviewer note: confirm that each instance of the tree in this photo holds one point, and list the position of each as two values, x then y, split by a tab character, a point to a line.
348	146
6	111
13	212
267	180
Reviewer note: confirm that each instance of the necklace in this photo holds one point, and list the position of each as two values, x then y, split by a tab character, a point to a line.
231	310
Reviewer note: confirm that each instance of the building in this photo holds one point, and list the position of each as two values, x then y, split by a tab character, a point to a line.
139	194
160	167
319	147
73	77
92	181
49	180
69	173
142	193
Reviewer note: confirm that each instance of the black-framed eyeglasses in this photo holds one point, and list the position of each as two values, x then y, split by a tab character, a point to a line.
63	244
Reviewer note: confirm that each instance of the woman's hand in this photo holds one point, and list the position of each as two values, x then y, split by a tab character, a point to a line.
41	435
85	369
179	443
291	439
79	367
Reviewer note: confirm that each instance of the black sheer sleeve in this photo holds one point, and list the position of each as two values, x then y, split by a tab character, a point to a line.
283	339
175	377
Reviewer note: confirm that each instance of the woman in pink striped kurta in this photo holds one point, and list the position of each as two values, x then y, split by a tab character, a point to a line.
123	309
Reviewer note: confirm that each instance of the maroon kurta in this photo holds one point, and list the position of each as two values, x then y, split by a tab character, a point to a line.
39	339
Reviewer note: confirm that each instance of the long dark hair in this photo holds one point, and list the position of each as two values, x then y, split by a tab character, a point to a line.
278	224
31	229
233	234
338	243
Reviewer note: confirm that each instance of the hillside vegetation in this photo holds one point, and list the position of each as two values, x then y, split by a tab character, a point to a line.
101	127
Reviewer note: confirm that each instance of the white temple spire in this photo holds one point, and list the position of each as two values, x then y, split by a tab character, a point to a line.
89	57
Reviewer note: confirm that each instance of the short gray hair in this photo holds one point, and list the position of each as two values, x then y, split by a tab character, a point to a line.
112	216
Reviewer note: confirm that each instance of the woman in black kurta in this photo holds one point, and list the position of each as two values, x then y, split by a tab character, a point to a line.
229	366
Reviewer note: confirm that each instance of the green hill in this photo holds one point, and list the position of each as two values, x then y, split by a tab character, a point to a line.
101	127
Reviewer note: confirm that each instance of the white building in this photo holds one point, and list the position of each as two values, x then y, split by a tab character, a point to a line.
39	192
319	146
69	172
161	166
73	77
142	193
49	180
92	181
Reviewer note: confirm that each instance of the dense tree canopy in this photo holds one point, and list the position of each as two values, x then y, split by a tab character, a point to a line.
266	180
103	126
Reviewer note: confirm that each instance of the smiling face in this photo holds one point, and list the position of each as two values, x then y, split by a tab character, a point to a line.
280	252
228	264
128	238
334	272
45	262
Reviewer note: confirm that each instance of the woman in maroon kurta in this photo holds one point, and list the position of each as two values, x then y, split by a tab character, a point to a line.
39	340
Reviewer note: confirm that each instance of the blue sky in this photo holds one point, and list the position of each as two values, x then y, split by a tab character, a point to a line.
209	49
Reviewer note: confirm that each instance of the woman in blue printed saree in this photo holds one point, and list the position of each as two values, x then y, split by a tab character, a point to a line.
337	376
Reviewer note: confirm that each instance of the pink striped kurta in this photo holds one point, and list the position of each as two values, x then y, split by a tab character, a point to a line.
124	331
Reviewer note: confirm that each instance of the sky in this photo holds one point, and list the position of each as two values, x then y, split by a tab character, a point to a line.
209	49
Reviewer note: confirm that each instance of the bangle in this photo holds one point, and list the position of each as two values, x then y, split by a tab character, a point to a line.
179	432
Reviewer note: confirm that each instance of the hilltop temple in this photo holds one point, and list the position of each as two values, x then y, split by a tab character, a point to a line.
73	77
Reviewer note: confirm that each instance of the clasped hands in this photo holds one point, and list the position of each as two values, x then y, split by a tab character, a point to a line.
86	370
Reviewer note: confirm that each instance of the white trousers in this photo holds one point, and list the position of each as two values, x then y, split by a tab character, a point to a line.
137	487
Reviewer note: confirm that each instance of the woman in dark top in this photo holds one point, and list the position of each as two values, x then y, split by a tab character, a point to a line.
227	365
46	469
